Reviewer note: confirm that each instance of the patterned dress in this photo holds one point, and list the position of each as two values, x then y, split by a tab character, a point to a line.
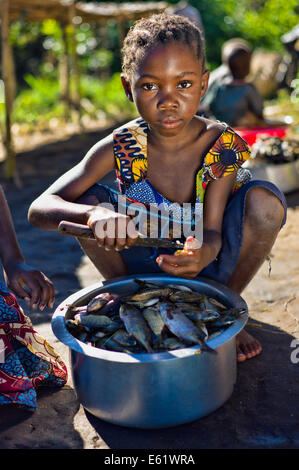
27	360
227	155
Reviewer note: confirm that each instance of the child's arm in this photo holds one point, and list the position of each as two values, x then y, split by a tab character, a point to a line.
191	261
57	202
18	274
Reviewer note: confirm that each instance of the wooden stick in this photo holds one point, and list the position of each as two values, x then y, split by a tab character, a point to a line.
10	161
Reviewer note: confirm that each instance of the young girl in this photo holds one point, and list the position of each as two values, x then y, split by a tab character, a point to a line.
170	155
26	359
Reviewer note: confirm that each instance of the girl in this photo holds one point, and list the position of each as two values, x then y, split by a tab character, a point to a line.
170	155
26	359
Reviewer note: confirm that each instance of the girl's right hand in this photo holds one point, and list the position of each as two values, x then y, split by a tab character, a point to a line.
112	230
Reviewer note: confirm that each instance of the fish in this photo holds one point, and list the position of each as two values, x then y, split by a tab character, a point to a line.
185	296
153	317
151	293
112	306
209	311
218	305
98	302
113	345
194	312
180	287
225	320
172	343
123	338
145	303
182	327
96	321
136	325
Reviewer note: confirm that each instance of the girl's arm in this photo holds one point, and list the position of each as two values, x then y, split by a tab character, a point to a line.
57	202
38	288
193	259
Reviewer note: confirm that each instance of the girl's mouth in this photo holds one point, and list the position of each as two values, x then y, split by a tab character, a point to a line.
170	122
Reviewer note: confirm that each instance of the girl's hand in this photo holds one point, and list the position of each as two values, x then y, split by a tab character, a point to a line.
30	284
112	230
184	263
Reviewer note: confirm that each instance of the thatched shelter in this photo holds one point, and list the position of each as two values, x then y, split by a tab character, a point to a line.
67	13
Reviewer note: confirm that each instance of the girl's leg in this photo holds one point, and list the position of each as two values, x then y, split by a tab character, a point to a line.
264	214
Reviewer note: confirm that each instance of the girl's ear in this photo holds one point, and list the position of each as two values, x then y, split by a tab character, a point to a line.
204	83
127	87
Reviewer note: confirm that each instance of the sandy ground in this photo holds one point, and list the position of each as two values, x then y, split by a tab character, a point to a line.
263	409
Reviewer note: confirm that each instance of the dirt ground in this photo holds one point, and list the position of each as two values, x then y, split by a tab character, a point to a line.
263	409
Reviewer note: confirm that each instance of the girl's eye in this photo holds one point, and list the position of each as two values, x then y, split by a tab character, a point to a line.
149	86
184	84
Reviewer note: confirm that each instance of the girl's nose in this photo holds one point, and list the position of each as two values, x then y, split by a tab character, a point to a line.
167	100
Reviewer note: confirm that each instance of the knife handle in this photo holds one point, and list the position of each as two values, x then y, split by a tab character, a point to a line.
76	230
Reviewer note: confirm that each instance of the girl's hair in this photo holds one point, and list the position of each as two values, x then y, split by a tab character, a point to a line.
150	32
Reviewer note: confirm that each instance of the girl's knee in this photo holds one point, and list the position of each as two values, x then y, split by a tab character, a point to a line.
263	209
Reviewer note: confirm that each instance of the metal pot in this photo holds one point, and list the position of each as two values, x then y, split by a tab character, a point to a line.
152	390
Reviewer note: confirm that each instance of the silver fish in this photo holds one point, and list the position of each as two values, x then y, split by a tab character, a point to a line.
98	302
184	296
172	343
154	319
180	287
148	294
145	303
113	345
123	338
96	321
194	312
181	326
225	320
136	325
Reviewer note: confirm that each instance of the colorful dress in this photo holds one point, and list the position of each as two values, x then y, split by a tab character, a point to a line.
227	155
27	361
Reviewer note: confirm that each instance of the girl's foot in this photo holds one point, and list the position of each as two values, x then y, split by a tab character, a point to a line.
247	346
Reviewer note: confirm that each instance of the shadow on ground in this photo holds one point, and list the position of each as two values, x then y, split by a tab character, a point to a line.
49	427
261	413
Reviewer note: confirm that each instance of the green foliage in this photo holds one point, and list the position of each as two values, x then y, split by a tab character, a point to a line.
39	46
107	96
40	102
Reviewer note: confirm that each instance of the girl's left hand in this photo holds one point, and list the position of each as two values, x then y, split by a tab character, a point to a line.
184	263
30	284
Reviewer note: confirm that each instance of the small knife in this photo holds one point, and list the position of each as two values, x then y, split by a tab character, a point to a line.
83	231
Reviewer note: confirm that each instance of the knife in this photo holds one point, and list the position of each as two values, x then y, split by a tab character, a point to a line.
83	231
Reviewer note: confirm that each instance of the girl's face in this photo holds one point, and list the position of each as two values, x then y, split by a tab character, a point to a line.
167	87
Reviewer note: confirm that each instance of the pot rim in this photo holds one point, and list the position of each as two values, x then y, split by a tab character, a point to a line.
61	332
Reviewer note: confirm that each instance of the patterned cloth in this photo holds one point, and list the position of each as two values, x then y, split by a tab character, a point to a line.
228	154
27	360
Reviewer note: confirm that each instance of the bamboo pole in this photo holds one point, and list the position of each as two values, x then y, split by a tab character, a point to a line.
75	63
8	79
65	75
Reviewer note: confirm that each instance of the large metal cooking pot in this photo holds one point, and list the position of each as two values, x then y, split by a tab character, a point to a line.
152	390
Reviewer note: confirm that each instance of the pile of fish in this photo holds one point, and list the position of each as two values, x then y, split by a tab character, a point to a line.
156	318
276	150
